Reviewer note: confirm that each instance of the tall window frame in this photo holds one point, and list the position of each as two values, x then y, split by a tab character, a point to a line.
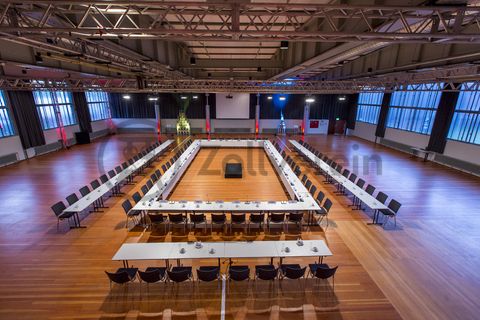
369	106
98	105
7	128
48	103
413	107
465	125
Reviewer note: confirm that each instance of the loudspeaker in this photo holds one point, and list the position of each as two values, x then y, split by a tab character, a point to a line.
82	137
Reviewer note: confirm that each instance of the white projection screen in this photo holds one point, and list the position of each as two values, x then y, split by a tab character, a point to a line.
238	107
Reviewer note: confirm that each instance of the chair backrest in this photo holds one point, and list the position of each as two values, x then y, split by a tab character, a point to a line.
131	161
370	189
197	217
382	197
239	274
71	199
325	273
118	169
164	168
127	206
284	154
136	197
118	277
394	205
346	173
150	276
304	178
353	177
144	189
308	184
361	183
111	174
84	191
153	177
277	217
168	165
95	184
339	168
219	217
267	274
327	205
209	274
103	178
257	217
156	217
294	272
298	172
157	172
175	217
178	276
149	184
124	165
313	189
238	217
295	216
320	197
58	208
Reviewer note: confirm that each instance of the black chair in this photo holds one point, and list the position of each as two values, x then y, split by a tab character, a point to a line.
122	276
131	214
84	191
323	212
149	184
323	271
308	184
238	273
153	177
392	211
156	219
144	189
58	210
361	183
304	178
180	274
118	169
136	197
157	172
313	189
292	271
320	197
152	275
238	219
256	218
298	172
95	184
164	168
71	199
266	272
370	189
219	219
296	218
111	174
276	218
177	219
124	165
208	273
103	178
168	165
198	218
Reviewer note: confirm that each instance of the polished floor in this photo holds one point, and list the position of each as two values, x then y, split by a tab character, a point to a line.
426	268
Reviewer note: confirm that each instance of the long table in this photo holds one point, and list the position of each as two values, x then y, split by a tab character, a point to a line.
155	200
222	250
358	192
86	201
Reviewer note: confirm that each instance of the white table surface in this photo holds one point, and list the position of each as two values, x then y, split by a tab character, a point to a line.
361	194
303	200
86	201
230	249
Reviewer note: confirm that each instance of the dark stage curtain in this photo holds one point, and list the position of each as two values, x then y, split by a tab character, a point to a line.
83	114
352	111
382	118
443	119
26	116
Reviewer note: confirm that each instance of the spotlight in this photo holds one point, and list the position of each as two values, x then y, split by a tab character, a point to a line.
38	58
152	98
342	98
269	97
283	45
195	97
193	61
310	100
282	98
183	97
259	69
126	97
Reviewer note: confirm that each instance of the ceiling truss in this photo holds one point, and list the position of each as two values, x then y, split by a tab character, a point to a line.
200	21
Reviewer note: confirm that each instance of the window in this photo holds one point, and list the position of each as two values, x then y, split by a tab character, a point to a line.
48	101
98	105
466	119
414	109
6	127
369	104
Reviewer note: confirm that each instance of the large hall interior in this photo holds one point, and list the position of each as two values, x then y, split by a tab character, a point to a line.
243	159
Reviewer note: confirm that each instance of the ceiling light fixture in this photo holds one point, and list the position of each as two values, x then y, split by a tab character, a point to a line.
283	45
183	97
282	98
309	100
269	97
126	97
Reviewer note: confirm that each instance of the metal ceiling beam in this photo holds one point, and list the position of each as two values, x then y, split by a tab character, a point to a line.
200	21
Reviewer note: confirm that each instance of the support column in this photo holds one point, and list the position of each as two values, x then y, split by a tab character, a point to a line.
257	114
306	117
158	120
382	118
207	114
62	135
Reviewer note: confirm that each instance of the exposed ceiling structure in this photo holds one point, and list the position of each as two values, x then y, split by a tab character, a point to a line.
144	45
